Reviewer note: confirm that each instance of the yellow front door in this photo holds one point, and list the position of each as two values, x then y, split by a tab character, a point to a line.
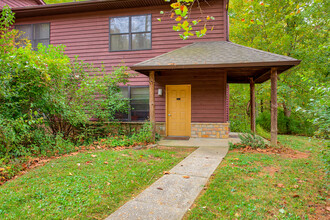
178	110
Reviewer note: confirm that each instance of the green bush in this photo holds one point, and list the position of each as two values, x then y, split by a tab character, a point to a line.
239	123
45	96
252	140
295	124
262	132
249	140
143	136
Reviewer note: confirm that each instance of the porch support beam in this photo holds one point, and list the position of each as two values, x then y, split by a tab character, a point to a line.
273	110
152	117
258	78
253	105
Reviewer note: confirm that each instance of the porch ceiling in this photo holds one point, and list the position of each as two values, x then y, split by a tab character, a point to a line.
240	62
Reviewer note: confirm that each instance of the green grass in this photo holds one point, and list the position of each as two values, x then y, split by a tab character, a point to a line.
84	187
245	186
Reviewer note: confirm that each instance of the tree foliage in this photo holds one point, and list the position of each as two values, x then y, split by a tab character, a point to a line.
181	11
293	28
45	95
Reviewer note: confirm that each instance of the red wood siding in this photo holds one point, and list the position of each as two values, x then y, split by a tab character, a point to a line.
208	92
87	35
18	3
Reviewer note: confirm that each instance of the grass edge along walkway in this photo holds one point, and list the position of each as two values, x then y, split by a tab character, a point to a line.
267	186
89	185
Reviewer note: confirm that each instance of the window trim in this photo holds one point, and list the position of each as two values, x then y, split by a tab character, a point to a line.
33	33
129	113
130	33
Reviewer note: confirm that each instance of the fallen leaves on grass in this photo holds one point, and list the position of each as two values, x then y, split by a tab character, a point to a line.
105	162
270	170
281	150
93	155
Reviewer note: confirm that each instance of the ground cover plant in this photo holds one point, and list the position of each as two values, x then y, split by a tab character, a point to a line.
11	167
47	101
289	182
88	185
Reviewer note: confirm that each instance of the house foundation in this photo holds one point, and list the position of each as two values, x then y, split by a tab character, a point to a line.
210	130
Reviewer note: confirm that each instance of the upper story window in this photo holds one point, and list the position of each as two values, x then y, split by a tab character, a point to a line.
36	33
130	33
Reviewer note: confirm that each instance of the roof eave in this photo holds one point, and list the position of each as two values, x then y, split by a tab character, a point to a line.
207	66
80	7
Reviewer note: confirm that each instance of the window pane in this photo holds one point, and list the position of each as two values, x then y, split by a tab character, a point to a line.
27	29
124	91
120	115
141	41
139	103
141	23
41	31
44	42
140	93
119	42
119	25
139	116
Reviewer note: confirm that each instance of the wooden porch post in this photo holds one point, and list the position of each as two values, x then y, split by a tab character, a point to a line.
152	102
253	105
273	109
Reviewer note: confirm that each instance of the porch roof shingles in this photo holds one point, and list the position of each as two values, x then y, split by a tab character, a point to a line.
240	62
213	54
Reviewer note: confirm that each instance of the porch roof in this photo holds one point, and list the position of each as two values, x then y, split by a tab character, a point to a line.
240	62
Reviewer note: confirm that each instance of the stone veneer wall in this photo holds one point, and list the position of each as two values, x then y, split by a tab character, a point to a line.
210	130
161	128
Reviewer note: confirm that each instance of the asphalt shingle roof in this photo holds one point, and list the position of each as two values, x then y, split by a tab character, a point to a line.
217	53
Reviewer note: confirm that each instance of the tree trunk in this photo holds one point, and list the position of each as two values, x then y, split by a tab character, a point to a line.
253	105
287	110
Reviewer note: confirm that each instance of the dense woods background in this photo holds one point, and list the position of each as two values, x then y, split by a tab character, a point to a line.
296	28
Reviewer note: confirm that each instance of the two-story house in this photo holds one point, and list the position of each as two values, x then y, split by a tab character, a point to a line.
182	85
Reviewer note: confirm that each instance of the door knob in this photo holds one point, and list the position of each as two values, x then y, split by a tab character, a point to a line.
169	114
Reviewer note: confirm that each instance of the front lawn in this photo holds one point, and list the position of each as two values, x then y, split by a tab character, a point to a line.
86	185
268	186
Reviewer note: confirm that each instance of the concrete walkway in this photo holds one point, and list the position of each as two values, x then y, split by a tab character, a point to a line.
172	195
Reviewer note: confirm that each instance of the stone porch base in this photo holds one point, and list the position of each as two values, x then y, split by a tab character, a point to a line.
198	130
210	130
